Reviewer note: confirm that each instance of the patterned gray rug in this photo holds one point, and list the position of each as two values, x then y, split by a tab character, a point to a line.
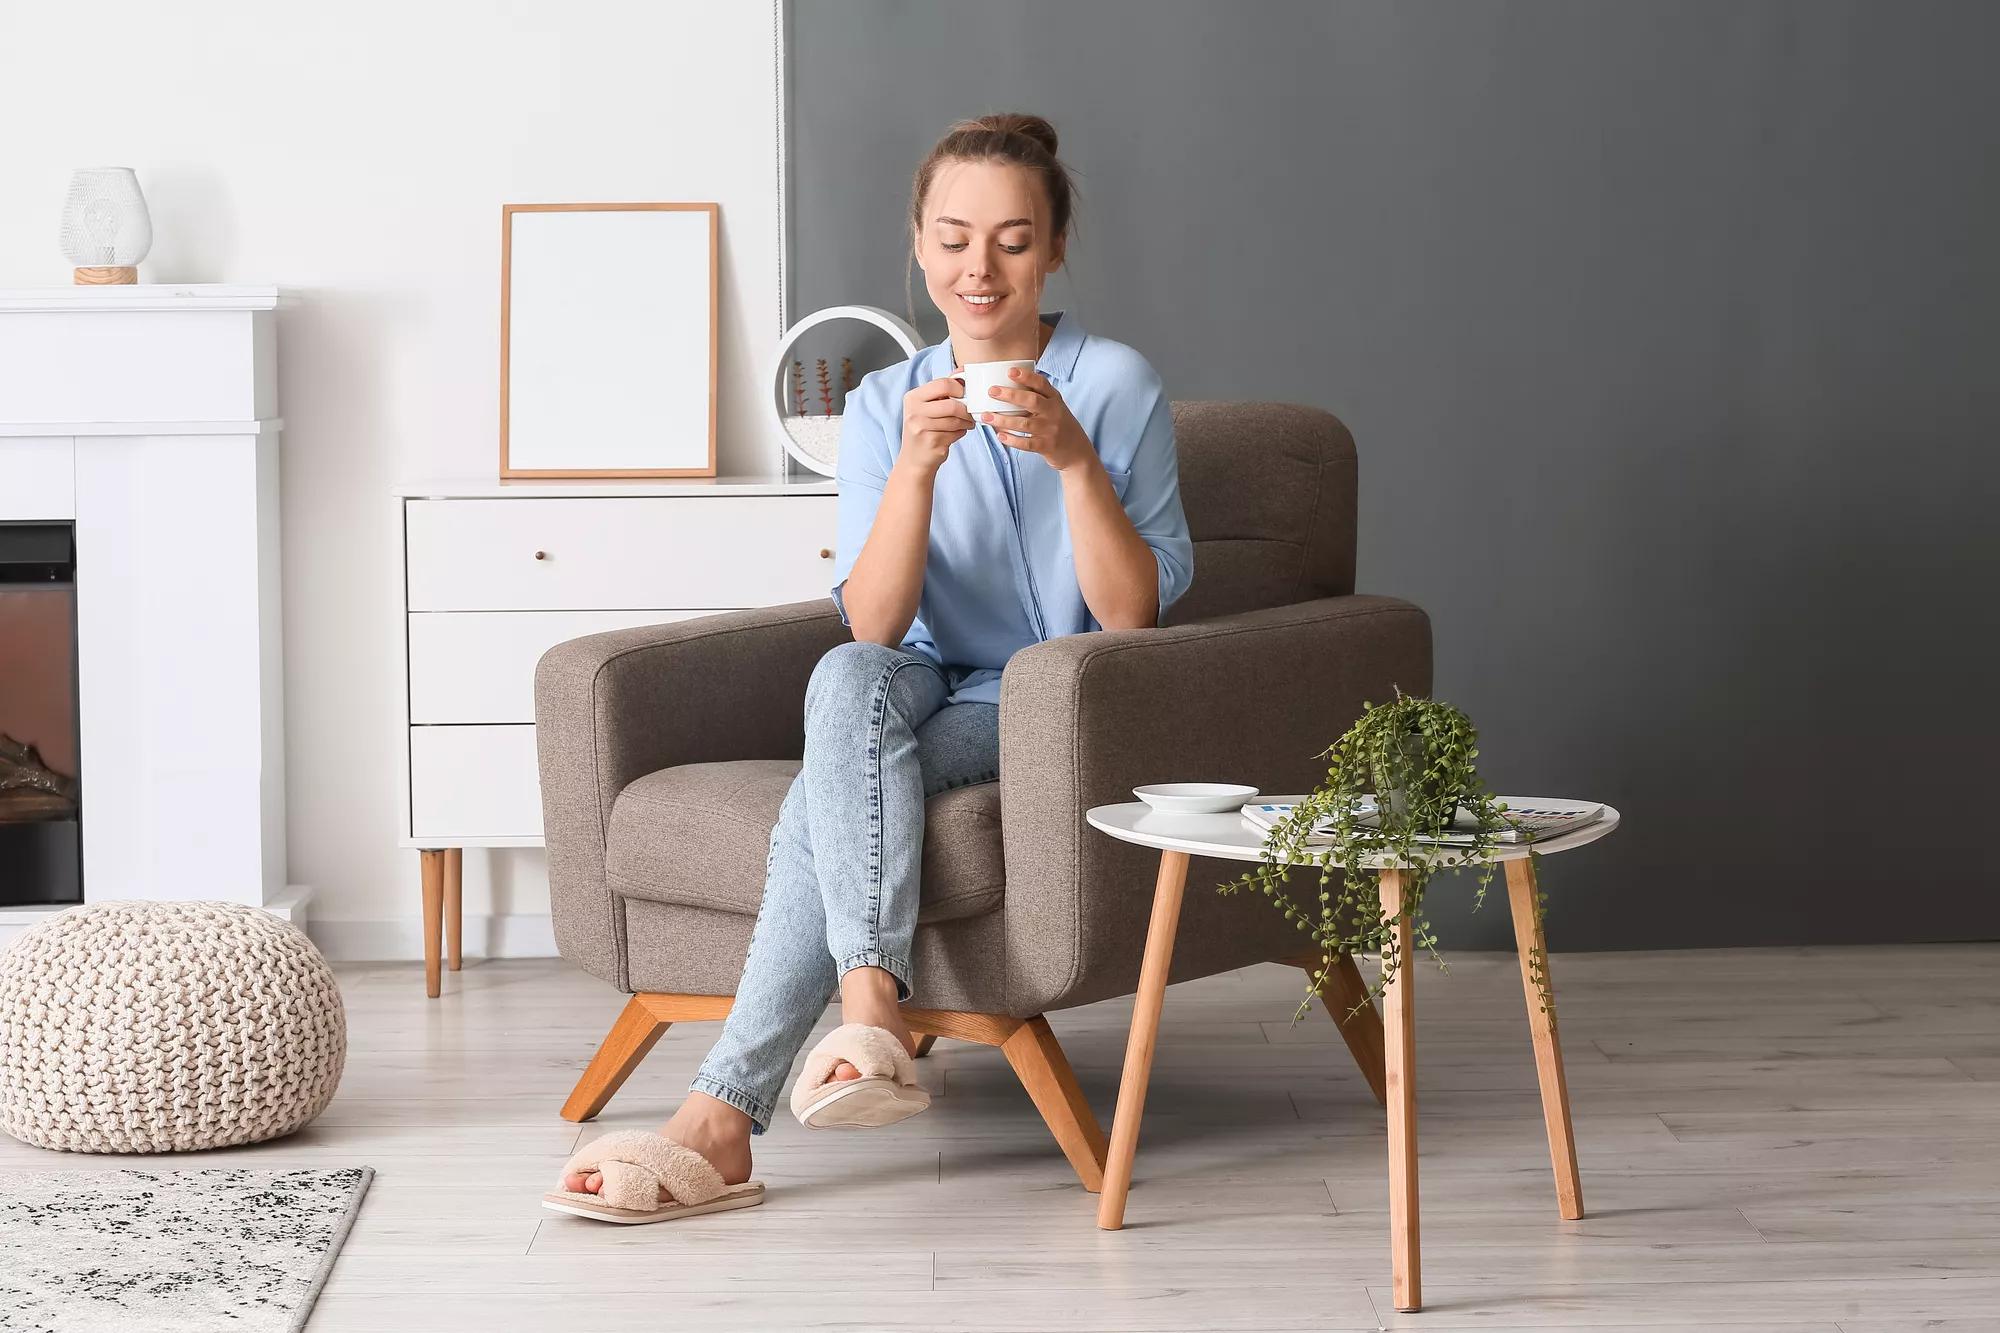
165	1251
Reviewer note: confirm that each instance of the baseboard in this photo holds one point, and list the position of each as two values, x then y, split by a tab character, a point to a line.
509	935
289	907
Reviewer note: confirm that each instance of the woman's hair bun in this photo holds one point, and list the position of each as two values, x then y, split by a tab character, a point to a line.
1015	122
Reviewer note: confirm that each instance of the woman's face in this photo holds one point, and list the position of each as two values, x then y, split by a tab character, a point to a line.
985	231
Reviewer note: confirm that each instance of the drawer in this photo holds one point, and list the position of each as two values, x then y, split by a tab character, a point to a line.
468	783
479	666
603	553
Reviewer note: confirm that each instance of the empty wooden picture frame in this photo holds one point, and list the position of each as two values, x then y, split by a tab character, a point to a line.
608	340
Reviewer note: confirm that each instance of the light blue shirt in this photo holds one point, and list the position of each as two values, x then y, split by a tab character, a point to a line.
1000	574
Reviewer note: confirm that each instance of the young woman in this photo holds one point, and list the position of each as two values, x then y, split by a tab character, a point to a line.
962	540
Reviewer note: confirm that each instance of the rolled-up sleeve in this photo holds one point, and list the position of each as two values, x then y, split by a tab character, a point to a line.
862	473
1153	497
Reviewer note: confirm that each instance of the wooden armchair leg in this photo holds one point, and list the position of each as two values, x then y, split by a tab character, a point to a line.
634	1034
1340	992
1038	1061
1044	1071
646	1018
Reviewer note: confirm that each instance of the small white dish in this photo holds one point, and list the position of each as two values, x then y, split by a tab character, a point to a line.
1194	798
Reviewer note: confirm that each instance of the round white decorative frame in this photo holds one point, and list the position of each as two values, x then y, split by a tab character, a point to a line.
781	363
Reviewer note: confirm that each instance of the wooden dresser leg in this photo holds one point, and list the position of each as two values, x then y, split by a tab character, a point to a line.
433	869
454	902
1521	892
1400	1078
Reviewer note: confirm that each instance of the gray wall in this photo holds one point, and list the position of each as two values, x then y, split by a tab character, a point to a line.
1667	334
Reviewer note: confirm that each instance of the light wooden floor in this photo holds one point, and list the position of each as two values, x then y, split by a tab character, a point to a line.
1797	1139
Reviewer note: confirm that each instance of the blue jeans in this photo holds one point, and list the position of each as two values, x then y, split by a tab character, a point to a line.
841	880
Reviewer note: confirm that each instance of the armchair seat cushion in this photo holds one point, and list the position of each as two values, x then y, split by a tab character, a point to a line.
700	835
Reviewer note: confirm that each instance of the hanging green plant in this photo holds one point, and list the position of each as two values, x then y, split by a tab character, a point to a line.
1415	756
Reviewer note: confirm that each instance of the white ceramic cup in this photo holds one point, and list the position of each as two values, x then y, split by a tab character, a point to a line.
980	377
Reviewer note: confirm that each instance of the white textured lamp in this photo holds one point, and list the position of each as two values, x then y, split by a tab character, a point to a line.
106	230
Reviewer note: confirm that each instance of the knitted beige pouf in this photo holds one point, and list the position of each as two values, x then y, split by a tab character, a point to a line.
165	1027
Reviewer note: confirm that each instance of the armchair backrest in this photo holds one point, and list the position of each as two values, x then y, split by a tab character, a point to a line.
1269	490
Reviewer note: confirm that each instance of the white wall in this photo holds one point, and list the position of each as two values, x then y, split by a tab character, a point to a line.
357	155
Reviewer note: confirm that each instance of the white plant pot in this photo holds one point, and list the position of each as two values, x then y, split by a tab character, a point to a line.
824	450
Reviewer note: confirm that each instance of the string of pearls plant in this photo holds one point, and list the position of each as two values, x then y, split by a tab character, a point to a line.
1416	754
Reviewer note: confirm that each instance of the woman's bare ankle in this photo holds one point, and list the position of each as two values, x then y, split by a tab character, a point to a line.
869	995
715	1129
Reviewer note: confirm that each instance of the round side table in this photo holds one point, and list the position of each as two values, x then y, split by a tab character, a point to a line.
1231	837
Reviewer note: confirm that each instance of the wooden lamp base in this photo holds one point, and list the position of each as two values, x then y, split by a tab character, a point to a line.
107	276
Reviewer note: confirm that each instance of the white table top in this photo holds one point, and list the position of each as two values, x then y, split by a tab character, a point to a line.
1233	838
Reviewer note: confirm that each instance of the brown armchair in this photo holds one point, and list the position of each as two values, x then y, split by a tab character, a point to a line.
666	751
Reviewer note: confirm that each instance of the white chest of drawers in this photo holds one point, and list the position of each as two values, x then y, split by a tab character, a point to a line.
492	574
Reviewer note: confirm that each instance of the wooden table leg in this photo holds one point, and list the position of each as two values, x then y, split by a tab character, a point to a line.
1145	1031
1400	1076
1521	892
433	869
454	903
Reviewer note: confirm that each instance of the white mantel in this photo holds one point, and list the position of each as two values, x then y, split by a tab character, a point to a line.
147	415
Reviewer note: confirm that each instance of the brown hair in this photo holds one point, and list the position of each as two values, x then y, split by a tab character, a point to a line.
1023	140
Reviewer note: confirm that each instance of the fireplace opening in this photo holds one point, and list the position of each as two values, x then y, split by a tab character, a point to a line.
41	812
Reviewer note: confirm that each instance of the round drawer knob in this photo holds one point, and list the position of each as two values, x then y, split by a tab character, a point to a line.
825	554
541	555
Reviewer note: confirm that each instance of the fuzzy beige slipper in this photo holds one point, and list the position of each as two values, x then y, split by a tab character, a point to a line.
636	1165
886	1092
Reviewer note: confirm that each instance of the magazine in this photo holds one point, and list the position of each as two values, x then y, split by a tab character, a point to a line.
1267	815
1533	820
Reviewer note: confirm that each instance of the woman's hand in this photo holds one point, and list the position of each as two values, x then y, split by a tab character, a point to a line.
1046	428
934	417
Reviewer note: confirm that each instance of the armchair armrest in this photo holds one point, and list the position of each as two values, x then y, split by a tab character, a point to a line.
1247	698
612	707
